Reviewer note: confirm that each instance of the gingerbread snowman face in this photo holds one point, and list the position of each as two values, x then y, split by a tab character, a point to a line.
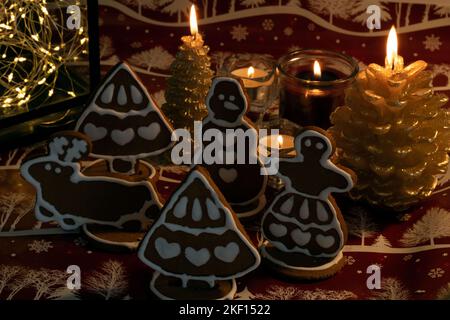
226	101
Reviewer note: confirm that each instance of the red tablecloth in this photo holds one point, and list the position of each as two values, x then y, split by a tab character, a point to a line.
412	249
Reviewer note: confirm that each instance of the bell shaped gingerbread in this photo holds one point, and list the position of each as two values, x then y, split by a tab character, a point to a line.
197	247
303	228
241	176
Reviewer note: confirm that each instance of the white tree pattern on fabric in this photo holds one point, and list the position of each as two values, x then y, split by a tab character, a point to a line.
360	224
140	4
155	58
359	10
176	7
106	47
434	224
13	207
432	43
276	292
7	274
391	289
252	3
111	282
239	33
381	242
331	8
443	11
436	273
39	246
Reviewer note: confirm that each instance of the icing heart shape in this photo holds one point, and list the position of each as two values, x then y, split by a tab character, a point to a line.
167	250
278	230
95	133
228	175
301	238
150	132
324	241
227	254
122	137
197	257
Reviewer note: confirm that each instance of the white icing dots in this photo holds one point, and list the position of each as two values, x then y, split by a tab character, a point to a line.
301	238
319	145
227	254
122	96
107	95
122	137
95	133
232	98
136	95
322	213
197	257
48	167
278	230
287	206
221	97
197	210
213	211
324	241
308	143
57	170
150	132
167	250
180	208
304	210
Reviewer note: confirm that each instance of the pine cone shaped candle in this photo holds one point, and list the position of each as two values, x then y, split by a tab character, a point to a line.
393	132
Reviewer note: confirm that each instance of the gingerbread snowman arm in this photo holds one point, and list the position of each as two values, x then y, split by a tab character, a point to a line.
342	178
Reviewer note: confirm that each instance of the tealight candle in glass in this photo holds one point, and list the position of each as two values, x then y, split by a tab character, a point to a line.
312	85
258	76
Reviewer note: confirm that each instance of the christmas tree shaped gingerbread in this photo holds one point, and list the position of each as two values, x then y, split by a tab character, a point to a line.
304	229
242	182
197	247
123	123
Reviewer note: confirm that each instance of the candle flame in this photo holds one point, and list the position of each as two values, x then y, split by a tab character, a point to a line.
193	21
317	70
251	72
392	48
280	140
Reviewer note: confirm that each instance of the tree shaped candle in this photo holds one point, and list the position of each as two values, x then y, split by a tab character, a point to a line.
197	246
393	132
123	122
190	80
304	228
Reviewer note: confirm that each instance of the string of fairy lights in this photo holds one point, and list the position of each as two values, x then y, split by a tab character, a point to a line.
35	46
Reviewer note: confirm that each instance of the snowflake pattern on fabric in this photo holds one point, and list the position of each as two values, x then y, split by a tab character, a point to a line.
239	33
432	43
436	273
39	246
268	24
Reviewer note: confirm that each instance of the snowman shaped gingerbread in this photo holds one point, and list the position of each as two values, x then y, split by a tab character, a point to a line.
303	228
241	180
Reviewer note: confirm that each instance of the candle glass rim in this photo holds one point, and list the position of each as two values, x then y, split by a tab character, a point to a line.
271	62
319	83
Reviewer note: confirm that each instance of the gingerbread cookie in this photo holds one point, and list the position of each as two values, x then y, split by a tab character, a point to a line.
124	123
242	184
64	194
303	228
197	247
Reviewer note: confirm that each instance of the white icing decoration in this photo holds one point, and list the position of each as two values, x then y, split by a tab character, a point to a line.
213	211
287	206
180	208
228	175
221	97
230	106
197	257
95	133
122	137
122	96
319	145
322	213
278	230
107	95
227	254
136	95
232	98
301	238
324	241
197	210
57	170
150	132
304	210
308	143
48	167
167	250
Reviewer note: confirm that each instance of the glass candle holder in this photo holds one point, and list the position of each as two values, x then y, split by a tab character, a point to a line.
258	75
309	96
